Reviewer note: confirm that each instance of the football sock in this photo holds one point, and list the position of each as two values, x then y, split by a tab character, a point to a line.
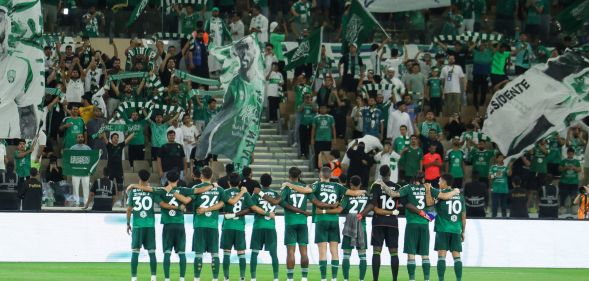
253	263
323	269
375	265
346	265
334	268
458	268
441	268
226	264
182	257
305	271
395	265
275	263
134	262
152	262
411	269
167	255
289	273
426	268
242	265
215	265
197	265
363	265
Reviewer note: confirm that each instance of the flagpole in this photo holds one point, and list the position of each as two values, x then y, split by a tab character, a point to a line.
374	19
318	60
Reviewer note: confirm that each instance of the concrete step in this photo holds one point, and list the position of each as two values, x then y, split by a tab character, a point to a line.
280	143
275	149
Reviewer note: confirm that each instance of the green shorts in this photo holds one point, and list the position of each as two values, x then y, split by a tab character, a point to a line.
143	236
205	240
416	239
263	238
296	234
327	231
233	239
174	237
448	242
347	242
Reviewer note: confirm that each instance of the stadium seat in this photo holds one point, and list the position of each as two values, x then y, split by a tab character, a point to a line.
139	165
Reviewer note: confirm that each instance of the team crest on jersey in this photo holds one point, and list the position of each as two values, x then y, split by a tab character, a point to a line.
11	75
172	213
143	214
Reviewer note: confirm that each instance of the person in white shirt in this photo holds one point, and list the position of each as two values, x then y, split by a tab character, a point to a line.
179	138
74	89
399	89
398	117
394	61
259	24
453	85
274	81
357	118
387	157
92	77
190	135
236	27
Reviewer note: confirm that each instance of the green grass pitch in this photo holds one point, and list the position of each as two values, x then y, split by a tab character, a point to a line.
121	271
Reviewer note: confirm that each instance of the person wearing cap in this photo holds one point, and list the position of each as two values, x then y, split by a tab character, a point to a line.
455	162
398	117
236	27
453	85
301	11
259	24
349	67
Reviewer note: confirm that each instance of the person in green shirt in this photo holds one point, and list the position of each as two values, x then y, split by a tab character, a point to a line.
498	177
433	92
539	168
158	133
450	223
188	19
237	205
264	202
172	217
136	126
72	125
141	206
91	22
570	168
294	201
555	143
326	196
307	111
322	132
22	158
501	54
301	11
535	9
428	124
480	159
207	203
455	162
411	156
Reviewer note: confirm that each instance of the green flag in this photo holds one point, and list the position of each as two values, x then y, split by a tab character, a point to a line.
137	12
358	25
308	50
80	163
233	131
574	16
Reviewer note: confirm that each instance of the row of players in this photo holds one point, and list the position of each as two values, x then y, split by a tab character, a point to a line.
329	200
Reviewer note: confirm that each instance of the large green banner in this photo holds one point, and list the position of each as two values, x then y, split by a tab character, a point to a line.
80	163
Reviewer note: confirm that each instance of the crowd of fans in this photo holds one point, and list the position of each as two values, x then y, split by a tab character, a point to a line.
426	111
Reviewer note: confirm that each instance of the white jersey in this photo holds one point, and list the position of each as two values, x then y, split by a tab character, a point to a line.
387	159
15	77
74	90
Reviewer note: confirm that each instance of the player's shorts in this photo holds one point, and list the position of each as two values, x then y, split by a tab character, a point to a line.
143	236
233	239
263	238
174	237
347	242
416	239
327	231
448	242
296	234
380	234
205	240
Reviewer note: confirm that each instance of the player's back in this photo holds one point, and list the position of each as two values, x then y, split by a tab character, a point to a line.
205	200
297	200
383	201
414	194
170	216
449	212
142	204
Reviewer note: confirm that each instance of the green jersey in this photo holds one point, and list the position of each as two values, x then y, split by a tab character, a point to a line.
188	22
142	204
308	114
329	193
426	126
136	127
297	200
400	143
304	12
237	223
539	164
554	149
481	160
412	158
261	221
323	124
434	85
569	176
169	216
499	175
23	165
449	212
204	200
415	194
159	134
454	160
577	145
355	205
72	132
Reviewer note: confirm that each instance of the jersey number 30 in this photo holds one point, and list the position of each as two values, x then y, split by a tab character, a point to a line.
144	203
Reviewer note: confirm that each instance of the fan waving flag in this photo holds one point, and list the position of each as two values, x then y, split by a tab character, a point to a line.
233	131
358	25
137	12
308	50
545	99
